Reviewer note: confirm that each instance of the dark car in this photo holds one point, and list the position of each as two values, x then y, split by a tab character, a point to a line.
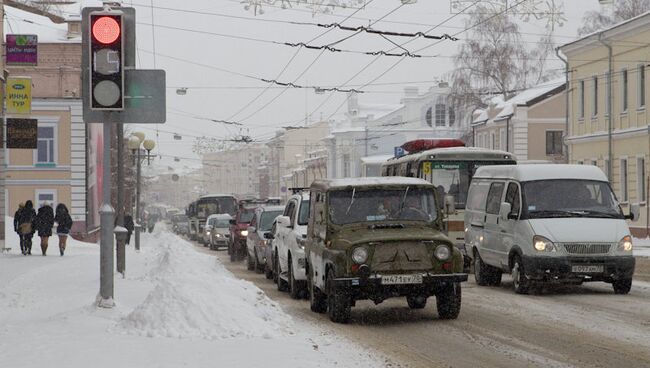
239	232
257	241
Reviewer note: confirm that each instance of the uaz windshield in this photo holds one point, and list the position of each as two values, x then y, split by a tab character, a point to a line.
569	198
363	205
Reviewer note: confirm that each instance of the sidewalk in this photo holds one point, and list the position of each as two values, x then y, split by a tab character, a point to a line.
176	307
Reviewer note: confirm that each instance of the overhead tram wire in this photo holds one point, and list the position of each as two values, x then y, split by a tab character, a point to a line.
280	74
394	65
319	55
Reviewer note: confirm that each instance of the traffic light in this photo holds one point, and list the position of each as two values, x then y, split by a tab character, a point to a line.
106	67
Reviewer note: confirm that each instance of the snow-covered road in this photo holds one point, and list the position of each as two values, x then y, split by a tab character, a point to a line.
176	307
578	326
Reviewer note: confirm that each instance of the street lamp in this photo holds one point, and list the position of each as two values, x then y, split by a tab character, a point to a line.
134	143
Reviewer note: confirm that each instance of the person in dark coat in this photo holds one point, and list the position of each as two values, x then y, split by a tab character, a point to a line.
64	222
16	218
129	225
44	224
26	227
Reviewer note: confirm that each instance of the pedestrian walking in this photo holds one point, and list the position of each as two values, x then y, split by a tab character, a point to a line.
64	222
129	225
44	224
16	218
26	227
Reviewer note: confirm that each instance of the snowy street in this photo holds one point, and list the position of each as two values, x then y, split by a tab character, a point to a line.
176	307
581	326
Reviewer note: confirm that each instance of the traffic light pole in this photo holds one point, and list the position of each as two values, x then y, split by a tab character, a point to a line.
106	213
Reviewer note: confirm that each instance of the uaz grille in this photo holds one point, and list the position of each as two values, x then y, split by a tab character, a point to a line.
587	248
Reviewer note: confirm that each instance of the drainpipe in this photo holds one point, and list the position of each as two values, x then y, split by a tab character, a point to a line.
566	104
610	107
508	134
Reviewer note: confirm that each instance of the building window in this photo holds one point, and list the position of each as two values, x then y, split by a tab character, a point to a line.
554	142
346	165
493	140
46	145
624	90
452	116
606	167
594	98
429	116
45	195
623	180
594	163
581	103
641	83
440	115
640	179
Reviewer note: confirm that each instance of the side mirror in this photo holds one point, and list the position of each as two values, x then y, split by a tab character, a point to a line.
504	211
268	236
635	212
450	204
232	222
284	221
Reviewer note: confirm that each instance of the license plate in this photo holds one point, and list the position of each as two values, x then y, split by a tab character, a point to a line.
401	279
588	269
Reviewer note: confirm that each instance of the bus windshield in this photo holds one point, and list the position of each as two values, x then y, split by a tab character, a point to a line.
211	206
453	177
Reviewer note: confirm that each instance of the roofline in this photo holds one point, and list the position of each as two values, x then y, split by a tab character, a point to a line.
615	29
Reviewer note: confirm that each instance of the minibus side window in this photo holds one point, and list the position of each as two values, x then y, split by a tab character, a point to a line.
512	197
494	198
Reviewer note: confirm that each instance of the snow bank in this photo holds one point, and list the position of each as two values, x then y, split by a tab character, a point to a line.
195	296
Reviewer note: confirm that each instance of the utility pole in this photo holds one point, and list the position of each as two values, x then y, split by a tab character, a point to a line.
4	134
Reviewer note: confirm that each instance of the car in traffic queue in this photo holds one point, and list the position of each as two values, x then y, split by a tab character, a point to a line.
180	224
206	233
270	237
239	232
559	224
379	238
257	241
219	231
289	245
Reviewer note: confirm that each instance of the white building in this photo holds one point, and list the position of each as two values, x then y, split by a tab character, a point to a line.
369	134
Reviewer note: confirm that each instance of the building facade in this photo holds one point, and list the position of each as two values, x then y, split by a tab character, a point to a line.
234	171
56	171
530	125
608	109
368	134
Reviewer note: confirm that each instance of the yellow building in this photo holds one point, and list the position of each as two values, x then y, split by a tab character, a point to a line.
617	142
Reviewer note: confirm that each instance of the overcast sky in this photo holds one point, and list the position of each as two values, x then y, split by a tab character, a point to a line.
219	72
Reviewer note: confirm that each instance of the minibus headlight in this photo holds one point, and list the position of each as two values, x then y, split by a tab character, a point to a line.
625	244
541	244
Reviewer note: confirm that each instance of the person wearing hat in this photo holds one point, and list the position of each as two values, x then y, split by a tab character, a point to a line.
44	223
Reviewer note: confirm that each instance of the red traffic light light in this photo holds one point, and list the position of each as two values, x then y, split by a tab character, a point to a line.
106	30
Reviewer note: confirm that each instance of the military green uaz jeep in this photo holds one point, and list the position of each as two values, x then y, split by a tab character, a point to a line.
377	238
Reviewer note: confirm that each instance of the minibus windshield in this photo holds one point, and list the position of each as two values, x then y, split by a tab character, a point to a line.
569	198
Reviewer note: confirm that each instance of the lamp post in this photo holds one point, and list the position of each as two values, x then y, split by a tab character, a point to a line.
135	141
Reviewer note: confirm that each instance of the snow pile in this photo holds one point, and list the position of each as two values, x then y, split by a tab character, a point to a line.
195	296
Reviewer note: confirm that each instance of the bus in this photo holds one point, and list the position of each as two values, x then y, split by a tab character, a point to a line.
449	165
199	210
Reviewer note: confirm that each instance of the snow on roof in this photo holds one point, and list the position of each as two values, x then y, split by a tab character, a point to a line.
215	195
524	98
220	216
597	32
378	159
23	22
371	181
541	172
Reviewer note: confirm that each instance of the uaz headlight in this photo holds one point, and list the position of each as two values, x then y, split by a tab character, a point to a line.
442	252
360	255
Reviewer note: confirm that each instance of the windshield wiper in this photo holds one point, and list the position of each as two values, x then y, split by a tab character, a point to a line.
354	190
591	213
386	226
401	205
554	213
